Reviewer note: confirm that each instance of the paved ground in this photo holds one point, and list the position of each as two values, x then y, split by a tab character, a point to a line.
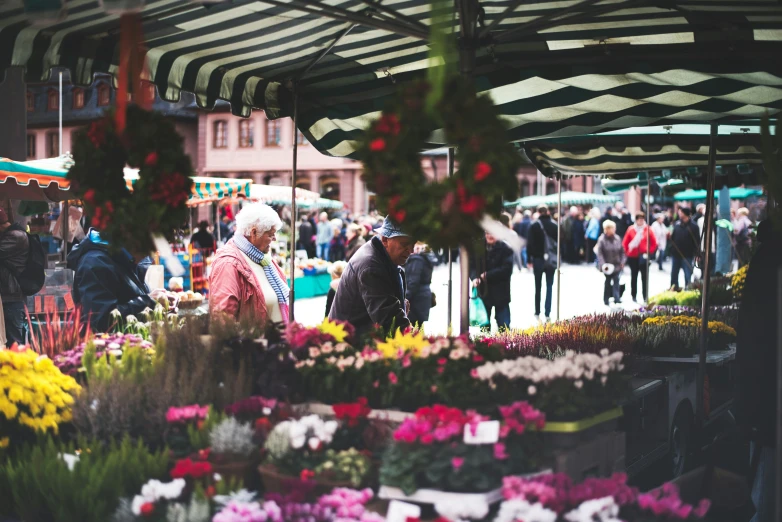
581	293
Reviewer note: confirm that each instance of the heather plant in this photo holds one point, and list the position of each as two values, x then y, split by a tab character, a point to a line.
232	440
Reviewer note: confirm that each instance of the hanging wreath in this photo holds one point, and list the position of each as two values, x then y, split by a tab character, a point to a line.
157	205
443	213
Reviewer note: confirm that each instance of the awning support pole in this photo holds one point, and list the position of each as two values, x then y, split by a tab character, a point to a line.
648	232
292	249
559	241
450	253
66	228
706	267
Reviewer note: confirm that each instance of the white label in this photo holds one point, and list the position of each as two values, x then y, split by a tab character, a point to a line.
401	511
487	432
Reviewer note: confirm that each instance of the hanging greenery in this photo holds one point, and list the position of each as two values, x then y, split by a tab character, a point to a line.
157	204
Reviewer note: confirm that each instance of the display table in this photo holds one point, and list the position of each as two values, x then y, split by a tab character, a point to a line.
312	285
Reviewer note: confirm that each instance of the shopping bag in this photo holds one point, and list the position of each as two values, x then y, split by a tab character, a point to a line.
478	315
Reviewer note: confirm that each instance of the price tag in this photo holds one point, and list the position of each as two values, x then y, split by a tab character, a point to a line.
487	432
401	511
69	305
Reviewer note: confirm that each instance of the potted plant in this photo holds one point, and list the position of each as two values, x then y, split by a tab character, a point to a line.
233	451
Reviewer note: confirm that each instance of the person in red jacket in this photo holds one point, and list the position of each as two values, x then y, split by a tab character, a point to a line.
635	245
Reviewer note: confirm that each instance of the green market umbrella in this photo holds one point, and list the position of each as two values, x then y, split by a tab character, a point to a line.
568	198
735	193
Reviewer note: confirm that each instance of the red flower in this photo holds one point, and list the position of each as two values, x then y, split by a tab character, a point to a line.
171	190
472	206
89	196
441	361
210	491
377	145
477	358
306	474
388	124
482	171
392	378
398	215
262	424
147	509
151	159
204	454
352	412
188	468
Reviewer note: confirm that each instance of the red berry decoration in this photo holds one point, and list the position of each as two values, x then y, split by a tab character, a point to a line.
444	213
147	509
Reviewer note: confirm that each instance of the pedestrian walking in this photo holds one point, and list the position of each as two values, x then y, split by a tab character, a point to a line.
638	256
307	237
492	277
542	250
14	249
579	228
335	270
418	269
684	246
622	218
522	229
336	246
660	232
324	234
611	259
742	229
592	234
355	240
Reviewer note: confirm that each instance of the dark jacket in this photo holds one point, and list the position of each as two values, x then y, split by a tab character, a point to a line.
202	239
684	240
306	234
623	222
535	243
522	228
756	352
497	264
104	282
352	247
579	229
418	270
14	249
330	296
337	249
371	291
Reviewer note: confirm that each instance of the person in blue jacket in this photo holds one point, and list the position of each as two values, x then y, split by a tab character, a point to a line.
104	282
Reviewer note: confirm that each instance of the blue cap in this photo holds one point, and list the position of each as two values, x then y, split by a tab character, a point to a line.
391	229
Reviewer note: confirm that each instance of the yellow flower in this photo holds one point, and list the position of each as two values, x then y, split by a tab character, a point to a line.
4	442
403	343
715	327
336	330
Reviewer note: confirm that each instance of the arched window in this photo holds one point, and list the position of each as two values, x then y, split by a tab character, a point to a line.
524	188
220	138
104	95
31	146
551	187
329	187
246	134
52	144
273	133
54	100
78	98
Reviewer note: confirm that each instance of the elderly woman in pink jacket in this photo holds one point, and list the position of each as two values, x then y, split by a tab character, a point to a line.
245	280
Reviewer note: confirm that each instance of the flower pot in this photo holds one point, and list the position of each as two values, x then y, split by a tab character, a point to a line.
567	435
241	470
276	482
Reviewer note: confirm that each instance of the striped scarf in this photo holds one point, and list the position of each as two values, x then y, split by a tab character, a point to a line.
272	275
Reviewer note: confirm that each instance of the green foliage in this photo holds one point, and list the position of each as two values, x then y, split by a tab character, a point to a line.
345	466
199	436
44	489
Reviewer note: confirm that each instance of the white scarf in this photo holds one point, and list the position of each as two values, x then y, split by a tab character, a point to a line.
639	233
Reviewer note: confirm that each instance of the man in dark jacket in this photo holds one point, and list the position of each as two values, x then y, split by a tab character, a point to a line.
307	237
522	229
492	278
105	282
684	244
756	362
419	270
14	249
372	289
203	239
540	259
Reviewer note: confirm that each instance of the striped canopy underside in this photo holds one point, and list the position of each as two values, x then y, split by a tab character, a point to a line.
569	67
738	157
568	198
205	189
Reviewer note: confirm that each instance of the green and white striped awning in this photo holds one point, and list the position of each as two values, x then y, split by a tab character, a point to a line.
700	195
568	198
553	67
615	186
206	189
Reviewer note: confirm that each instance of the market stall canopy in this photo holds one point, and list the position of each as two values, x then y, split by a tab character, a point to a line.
735	193
552	68
568	198
615	186
206	189
281	195
33	181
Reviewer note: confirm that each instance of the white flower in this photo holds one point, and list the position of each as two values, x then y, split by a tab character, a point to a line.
578	384
598	510
603	380
155	490
359	363
266	411
115	314
532	390
70	460
242	496
217	477
514	510
94	404
114	346
131	319
313	443
465	509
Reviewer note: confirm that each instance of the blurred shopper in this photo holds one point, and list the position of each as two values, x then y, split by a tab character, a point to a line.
335	270
492	277
307	237
542	251
611	259
336	245
742	229
522	229
324	235
14	250
660	232
567	235
684	247
418	269
579	228
355	240
203	239
622	218
592	234
638	256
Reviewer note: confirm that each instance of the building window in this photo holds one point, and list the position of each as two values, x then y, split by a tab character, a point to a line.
220	134
246	134
31	146
54	100
329	187
30	102
551	188
52	145
104	95
300	138
78	98
524	188
273	134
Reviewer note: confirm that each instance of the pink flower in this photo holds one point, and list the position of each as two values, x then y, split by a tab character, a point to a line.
441	369
376	384
499	451
702	509
427	439
442	361
392	378
474	373
457	463
406	362
434	388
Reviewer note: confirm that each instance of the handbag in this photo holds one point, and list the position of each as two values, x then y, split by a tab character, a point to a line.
478	315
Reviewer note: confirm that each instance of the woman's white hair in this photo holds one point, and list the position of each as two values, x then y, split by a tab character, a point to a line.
259	216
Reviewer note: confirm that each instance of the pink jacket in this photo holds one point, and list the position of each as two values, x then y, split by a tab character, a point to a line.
233	287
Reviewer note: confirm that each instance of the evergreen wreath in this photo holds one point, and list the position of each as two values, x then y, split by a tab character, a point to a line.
158	202
444	213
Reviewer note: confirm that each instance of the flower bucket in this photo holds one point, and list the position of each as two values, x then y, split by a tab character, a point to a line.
242	470
567	435
276	482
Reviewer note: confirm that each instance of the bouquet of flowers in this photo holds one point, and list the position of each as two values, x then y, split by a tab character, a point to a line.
301	337
341	504
680	335
434	450
70	362
567	388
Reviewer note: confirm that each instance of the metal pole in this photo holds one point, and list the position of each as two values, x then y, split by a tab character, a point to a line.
293	201
66	228
706	267
59	149
217	221
648	232
778	454
559	242
464	312
450	252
